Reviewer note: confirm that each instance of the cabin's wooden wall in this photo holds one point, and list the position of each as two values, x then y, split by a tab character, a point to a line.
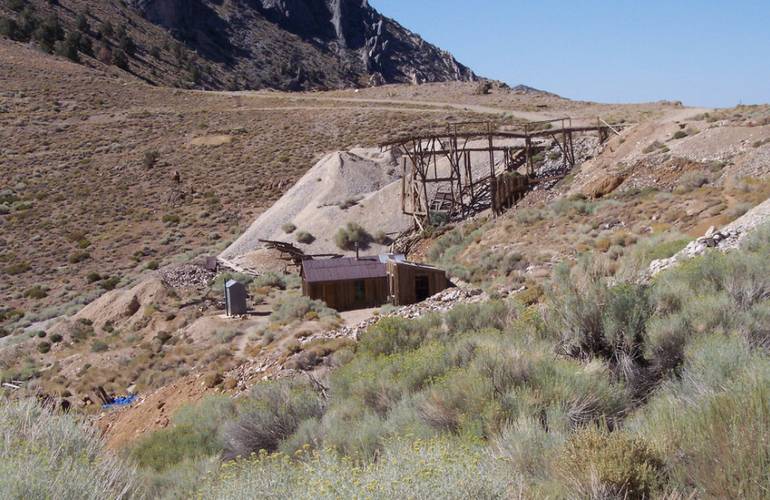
402	282
341	295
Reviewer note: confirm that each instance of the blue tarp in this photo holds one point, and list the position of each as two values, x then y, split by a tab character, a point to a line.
121	401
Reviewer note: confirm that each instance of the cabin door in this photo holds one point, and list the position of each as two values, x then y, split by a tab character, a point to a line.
421	288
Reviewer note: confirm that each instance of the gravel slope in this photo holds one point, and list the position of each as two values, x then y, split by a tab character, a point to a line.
313	204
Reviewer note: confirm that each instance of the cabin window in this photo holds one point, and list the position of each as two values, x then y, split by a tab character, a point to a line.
360	287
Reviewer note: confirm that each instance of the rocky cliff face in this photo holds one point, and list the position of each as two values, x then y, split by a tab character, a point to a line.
303	44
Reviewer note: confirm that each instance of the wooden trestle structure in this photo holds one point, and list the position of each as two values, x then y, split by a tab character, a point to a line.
429	191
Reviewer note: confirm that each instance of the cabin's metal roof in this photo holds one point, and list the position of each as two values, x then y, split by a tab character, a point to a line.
344	269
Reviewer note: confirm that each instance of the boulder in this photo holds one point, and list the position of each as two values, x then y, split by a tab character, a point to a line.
602	186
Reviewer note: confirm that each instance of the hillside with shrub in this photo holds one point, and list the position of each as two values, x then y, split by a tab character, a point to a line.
606	337
609	389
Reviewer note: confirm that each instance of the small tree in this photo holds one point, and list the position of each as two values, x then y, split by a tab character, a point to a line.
10	29
151	158
125	42
82	23
347	237
120	60
69	46
48	32
107	30
305	237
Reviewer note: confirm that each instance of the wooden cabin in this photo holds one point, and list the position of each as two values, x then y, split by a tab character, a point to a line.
359	283
410	283
346	284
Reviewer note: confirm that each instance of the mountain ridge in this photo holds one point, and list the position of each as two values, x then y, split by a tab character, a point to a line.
289	45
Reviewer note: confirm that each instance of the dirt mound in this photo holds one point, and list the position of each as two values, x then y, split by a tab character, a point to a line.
361	185
121	305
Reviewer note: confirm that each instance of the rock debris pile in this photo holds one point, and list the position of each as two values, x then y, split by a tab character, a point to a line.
440	303
725	239
187	276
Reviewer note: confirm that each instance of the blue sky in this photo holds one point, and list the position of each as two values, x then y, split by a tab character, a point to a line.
706	53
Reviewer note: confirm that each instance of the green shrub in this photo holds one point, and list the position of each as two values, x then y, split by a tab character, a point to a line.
9	28
394	334
194	435
48	31
80	331
528	448
437	468
46	454
270	279
451	244
120	60
150	158
36	292
656	145
347	237
44	347
69	46
713	422
382	238
458	403
110	283
528	216
594	319
599	464
273	411
679	134
56	338
292	308
10	314
468	317
573	205
99	346
78	257
378	384
171	219
289	228
638	260
693	180
17	268
304	237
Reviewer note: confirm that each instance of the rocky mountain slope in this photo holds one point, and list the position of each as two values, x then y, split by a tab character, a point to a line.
244	44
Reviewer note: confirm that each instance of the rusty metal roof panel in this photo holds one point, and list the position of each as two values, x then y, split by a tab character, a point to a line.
349	268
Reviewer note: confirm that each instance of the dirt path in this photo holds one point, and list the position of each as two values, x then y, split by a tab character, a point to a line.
524	115
677	115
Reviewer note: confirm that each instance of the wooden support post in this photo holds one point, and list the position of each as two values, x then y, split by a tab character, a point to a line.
403	185
492	173
565	149
528	153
